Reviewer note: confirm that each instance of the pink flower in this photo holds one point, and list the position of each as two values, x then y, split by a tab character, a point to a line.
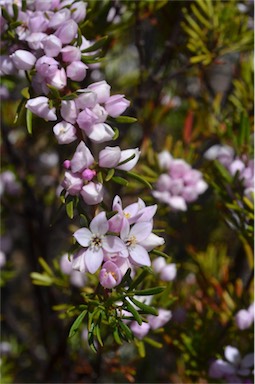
102	90
140	331
116	105
82	158
66	32
124	155
86	118
100	132
86	99
58	80
159	321
23	59
88	174
72	183
59	18
65	132
167	272
46	66
78	10
52	45
68	111
110	275
7	66
110	157
132	238
92	193
96	243
40	107
70	54
243	319
76	71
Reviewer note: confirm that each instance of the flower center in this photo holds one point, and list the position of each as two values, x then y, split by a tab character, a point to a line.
127	215
96	242
131	241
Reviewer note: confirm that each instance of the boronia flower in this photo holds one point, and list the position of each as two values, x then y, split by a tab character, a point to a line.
96	243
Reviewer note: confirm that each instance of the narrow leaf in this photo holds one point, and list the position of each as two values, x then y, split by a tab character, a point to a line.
69	209
120	180
45	266
146	308
150	291
134	312
98	44
110	174
139	178
29	118
74	328
125	119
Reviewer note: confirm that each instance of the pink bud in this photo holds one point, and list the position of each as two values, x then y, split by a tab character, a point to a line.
78	10
67	164
46	66
23	59
243	319
65	132
59	79
109	157
102	90
88	174
72	183
82	158
37	22
67	31
127	153
92	193
86	118
158	264
76	71
168	273
70	54
110	275
40	107
59	18
86	99
100	132
68	111
116	105
7	66
42	5
52	45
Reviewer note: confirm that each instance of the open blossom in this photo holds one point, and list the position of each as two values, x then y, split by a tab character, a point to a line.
65	132
96	243
116	105
92	193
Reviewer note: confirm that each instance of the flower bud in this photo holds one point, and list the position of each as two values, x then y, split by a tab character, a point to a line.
72	183
78	11
86	99
67	164
23	59
46	66
131	163
68	111
92	193
70	54
243	319
100	132
86	118
34	40
158	264
165	159
168	273
52	45
59	18
37	23
82	158
76	71
59	79
65	132
159	321
7	66
102	90
110	275
40	107
116	105
109	157
67	31
88	174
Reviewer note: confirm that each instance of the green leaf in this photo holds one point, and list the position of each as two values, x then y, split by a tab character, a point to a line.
70	96
223	171
117	336
116	133
146	308
138	279
25	93
29	120
140	346
152	342
119	180
110	174
127	160
139	178
41	278
125	119
20	108
69	209
126	330
74	328
150	291
159	253
45	266
134	312
98	44
83	220
100	177
15	11
54	91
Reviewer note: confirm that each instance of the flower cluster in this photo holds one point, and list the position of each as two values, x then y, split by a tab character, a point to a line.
81	170
117	244
235	165
179	184
235	369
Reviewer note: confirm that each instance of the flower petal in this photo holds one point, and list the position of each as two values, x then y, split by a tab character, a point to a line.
141	230
99	224
93	259
248	361
139	255
232	355
83	236
78	262
113	244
